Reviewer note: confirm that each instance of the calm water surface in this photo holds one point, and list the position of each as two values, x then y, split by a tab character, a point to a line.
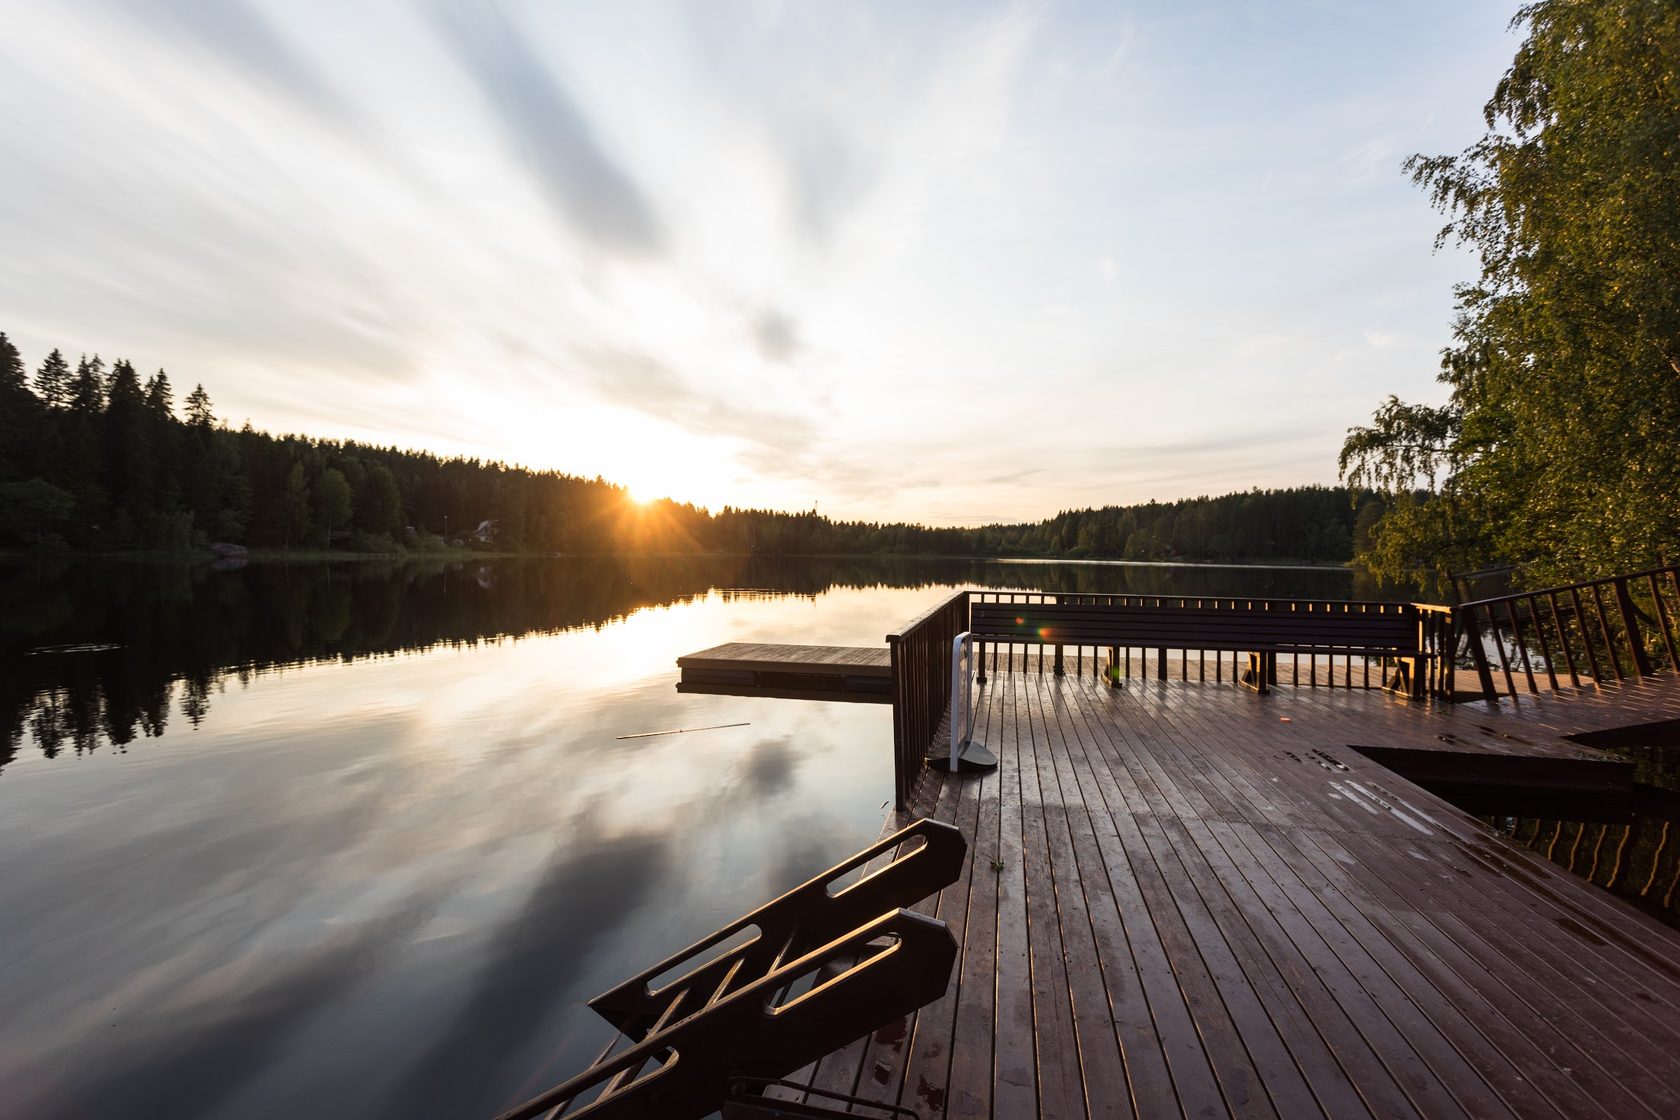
359	840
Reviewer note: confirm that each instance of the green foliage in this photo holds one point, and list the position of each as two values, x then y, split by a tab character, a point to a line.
1557	448
294	507
331	502
32	513
378	503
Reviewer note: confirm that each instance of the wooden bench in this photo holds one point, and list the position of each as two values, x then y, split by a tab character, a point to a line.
1258	628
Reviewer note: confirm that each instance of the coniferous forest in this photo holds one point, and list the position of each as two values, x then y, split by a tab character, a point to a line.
95	457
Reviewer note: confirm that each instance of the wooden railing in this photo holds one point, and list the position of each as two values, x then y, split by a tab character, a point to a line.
921	658
1187	662
1438	638
1601	631
921	674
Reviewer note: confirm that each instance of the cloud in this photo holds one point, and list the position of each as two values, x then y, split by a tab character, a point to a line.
768	771
826	173
320	220
777	335
232	29
1372	159
545	128
215	1045
587	895
637	380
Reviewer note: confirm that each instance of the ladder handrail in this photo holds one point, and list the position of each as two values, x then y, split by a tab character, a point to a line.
901	961
808	915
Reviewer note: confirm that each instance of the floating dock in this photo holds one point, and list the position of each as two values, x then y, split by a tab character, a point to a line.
860	674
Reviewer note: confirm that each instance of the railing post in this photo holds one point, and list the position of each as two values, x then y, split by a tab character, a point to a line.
957	736
901	712
1630	621
1449	646
1478	653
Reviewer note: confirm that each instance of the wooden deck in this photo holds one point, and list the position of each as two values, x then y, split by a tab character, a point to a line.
794	672
1596	713
1186	899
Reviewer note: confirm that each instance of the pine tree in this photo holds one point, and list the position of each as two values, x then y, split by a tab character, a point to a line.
88	390
160	398
52	381
11	366
126	445
18	415
123	387
198	408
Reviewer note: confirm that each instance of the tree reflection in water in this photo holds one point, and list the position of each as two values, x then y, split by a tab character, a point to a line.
100	653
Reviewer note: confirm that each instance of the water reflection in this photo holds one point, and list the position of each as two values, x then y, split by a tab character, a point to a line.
383	838
105	654
1628	844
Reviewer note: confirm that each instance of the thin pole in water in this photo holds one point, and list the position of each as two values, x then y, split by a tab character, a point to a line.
680	731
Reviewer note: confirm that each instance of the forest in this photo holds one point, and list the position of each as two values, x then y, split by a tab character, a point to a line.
93	458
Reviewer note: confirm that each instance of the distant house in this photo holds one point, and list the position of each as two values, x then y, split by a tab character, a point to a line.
486	532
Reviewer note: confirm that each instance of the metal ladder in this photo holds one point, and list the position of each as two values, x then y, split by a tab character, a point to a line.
799	977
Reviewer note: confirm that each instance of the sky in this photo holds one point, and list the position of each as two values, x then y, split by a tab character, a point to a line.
952	263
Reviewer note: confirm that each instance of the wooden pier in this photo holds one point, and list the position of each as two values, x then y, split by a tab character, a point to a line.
1186	899
856	673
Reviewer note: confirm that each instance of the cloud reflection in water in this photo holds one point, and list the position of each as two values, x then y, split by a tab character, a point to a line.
385	886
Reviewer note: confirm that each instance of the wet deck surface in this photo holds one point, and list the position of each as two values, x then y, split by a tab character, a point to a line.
875	661
1187	899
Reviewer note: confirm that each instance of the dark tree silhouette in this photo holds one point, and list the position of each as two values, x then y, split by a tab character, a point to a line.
139	477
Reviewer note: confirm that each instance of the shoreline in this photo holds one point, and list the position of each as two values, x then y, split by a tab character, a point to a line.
327	556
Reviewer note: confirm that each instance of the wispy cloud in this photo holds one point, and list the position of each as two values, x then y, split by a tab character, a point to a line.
639	380
949	261
547	130
777	335
233	31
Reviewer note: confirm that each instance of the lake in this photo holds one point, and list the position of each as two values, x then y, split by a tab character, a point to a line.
359	839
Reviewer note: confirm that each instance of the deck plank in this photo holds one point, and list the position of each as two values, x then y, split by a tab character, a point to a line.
968	1092
1015	1074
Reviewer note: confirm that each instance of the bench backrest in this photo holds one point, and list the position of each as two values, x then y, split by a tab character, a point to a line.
1388	627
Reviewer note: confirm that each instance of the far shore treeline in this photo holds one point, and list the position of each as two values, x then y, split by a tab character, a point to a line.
95	458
